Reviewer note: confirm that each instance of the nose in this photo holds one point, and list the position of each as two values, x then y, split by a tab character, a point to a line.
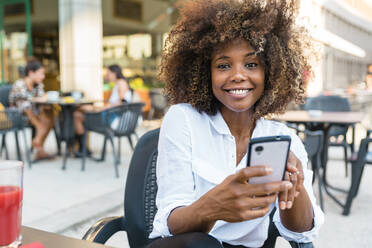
237	74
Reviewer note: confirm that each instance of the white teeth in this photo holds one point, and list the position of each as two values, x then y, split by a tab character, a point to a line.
238	92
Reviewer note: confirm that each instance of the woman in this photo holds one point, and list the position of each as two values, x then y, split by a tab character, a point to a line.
42	118
120	93
227	64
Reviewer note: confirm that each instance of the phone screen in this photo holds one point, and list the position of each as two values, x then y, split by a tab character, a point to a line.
270	151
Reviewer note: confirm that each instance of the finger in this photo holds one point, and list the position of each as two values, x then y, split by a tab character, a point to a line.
291	163
292	191
256	171
250	202
268	188
255	213
282	197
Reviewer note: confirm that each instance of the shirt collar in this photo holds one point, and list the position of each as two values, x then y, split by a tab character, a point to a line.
219	123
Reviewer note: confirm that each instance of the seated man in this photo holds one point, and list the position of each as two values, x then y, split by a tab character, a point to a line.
42	118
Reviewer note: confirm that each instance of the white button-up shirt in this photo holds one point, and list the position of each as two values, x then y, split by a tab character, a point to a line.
196	152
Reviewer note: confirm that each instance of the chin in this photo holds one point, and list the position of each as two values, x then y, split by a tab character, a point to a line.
238	109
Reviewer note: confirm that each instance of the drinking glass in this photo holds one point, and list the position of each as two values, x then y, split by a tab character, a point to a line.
11	194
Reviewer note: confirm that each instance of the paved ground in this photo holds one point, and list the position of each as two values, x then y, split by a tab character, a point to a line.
70	201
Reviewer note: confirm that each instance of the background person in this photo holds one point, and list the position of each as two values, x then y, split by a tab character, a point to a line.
227	64
42	118
121	93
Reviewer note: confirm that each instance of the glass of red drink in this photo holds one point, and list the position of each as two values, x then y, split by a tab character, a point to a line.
11	195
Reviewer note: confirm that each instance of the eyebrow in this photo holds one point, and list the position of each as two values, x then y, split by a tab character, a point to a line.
227	57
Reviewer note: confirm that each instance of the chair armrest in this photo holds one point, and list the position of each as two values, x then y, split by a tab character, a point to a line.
102	230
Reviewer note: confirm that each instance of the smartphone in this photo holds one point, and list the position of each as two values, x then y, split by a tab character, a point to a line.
271	151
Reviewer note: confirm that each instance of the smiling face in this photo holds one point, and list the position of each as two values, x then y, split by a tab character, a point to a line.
238	77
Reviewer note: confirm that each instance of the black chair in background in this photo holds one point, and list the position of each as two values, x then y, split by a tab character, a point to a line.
358	161
117	121
4	100
11	121
139	201
4	94
333	104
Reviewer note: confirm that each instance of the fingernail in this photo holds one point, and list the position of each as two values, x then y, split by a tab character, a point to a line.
289	204
282	205
268	169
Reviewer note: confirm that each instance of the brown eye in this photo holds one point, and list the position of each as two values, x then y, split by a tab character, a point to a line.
223	66
251	65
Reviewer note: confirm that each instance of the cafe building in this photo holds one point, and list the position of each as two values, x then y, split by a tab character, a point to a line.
76	39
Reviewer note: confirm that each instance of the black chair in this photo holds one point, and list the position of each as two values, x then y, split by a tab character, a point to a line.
4	94
4	100
139	201
333	104
358	161
117	121
11	121
313	142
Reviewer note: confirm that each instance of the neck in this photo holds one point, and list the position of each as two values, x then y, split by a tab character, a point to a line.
241	124
29	83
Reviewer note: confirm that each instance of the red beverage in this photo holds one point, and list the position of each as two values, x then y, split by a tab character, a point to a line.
10	214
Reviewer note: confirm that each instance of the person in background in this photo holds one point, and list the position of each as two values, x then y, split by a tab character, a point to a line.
41	118
121	93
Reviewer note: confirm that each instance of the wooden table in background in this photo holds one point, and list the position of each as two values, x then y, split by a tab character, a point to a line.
326	120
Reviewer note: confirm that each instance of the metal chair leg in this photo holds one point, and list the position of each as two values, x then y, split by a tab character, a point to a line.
357	171
28	157
130	142
65	155
320	182
3	146
19	156
119	150
103	154
115	156
58	140
345	159
84	151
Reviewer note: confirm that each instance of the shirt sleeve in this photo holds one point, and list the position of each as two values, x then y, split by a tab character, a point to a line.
298	149
174	173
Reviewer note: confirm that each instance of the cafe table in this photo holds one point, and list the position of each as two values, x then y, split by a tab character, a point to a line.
52	240
65	120
326	120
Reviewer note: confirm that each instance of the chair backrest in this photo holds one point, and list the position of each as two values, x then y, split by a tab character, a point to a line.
158	101
327	103
4	94
140	190
313	142
123	118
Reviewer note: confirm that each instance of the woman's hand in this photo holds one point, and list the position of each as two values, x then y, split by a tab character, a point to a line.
294	174
236	200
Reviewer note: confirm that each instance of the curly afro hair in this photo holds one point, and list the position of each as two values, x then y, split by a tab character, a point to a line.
268	26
